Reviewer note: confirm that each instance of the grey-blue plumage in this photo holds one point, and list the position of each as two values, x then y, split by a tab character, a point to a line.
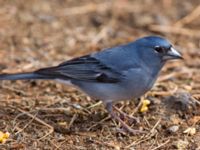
118	73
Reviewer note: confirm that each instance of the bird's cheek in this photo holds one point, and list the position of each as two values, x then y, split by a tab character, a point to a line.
164	58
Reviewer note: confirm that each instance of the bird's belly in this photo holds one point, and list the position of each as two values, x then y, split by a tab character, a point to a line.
114	92
127	89
104	91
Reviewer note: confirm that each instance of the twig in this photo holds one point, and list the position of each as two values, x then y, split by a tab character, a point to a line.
94	105
40	121
60	144
23	93
175	30
99	7
72	121
137	108
157	123
26	125
165	93
120	111
101	121
171	75
57	147
115	146
85	9
161	145
147	121
189	18
196	96
142	139
145	137
54	110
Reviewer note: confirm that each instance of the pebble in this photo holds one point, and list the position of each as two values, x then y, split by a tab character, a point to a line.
173	128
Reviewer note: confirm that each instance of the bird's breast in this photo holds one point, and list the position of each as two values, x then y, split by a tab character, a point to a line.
139	82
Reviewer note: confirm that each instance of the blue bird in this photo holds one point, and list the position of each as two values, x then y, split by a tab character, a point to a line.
111	75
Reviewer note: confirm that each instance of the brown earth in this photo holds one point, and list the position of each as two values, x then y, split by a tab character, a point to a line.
48	115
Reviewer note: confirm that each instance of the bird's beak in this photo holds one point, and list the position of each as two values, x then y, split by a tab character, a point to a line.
172	54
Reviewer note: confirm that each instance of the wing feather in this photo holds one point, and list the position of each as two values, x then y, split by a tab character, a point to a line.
86	68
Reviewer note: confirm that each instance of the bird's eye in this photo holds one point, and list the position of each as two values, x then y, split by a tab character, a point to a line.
159	49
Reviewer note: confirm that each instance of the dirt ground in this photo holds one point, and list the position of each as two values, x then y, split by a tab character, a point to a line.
48	115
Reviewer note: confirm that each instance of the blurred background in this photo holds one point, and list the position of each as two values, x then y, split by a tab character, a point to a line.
47	115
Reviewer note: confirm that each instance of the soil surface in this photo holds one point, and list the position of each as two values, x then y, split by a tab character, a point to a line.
48	115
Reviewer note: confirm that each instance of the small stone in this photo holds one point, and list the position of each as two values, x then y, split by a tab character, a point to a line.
173	128
190	131
180	144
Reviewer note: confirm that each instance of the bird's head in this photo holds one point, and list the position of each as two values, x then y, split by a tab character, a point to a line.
155	50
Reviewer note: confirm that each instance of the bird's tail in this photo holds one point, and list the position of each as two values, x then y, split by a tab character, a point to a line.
23	76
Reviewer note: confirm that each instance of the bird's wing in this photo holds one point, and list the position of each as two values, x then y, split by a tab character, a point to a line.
85	68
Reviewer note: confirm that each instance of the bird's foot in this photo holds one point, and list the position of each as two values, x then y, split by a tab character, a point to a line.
124	116
126	127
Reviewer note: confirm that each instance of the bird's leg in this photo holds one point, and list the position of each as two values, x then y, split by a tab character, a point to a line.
124	115
109	108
